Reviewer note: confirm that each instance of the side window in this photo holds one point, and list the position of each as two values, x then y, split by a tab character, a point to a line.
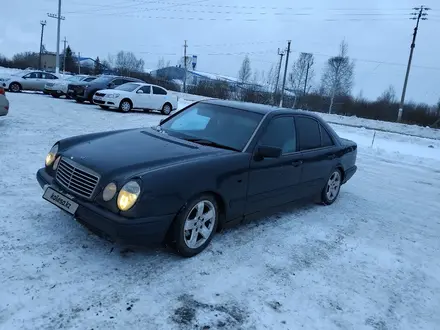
146	89
159	91
48	76
326	140
117	81
280	133
89	79
33	75
309	135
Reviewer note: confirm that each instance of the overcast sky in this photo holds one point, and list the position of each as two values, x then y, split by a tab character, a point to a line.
221	32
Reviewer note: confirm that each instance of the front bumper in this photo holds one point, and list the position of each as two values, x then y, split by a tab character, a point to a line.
109	102
111	226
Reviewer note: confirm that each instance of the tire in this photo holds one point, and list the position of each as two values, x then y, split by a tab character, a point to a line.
199	215
15	87
166	109
79	100
332	188
104	107
90	98
125	105
55	96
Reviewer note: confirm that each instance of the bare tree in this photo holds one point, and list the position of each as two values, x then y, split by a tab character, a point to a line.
126	63
302	73
245	71
388	96
160	63
337	79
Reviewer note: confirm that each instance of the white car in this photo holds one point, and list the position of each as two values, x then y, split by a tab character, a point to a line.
136	96
4	103
59	88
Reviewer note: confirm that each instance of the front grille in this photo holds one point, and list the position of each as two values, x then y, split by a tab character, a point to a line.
99	101
100	94
76	178
50	84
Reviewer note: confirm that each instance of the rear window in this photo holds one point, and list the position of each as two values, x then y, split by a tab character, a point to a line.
326	140
309	135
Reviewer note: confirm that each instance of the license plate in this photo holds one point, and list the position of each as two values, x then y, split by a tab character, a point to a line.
70	91
60	200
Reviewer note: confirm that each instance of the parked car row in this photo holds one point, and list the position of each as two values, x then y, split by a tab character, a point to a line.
106	91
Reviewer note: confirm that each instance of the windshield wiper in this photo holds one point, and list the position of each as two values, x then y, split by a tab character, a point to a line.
210	143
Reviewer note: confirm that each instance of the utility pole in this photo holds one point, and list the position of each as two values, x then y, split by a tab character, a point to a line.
419	14
307	77
79	63
280	54
59	18
185	64
43	23
64	56
285	73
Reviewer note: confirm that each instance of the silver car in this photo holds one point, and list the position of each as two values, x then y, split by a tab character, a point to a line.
32	81
58	87
4	103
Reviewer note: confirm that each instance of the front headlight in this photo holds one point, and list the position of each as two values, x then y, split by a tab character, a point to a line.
112	95
109	192
128	195
50	158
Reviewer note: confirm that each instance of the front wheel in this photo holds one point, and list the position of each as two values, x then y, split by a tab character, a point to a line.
195	225
57	96
331	190
166	109
125	106
15	87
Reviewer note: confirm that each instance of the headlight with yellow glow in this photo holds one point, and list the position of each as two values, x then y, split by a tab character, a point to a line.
128	195
50	158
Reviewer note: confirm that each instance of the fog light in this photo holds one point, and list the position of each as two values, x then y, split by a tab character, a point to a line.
109	192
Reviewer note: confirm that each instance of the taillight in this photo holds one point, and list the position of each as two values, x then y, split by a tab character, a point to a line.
2	91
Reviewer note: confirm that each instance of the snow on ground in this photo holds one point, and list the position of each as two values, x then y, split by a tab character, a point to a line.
369	261
415	130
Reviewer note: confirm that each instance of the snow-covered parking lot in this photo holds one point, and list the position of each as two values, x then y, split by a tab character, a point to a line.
369	261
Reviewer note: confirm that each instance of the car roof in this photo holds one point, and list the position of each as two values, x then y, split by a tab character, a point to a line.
258	108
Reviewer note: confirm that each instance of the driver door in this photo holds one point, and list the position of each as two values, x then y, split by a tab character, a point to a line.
275	181
143	100
31	80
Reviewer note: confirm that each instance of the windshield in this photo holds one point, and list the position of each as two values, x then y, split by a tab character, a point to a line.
75	78
130	87
103	79
220	125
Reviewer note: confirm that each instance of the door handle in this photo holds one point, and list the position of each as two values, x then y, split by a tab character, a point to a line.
297	163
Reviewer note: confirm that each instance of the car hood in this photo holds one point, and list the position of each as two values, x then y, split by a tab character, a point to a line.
111	91
135	151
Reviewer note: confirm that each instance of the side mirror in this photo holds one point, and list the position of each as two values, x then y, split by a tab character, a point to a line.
268	152
140	91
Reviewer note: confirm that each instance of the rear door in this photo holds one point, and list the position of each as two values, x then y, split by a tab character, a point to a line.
143	100
158	98
319	154
45	78
273	182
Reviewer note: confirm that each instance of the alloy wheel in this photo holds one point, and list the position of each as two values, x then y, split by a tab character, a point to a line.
199	224
333	185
